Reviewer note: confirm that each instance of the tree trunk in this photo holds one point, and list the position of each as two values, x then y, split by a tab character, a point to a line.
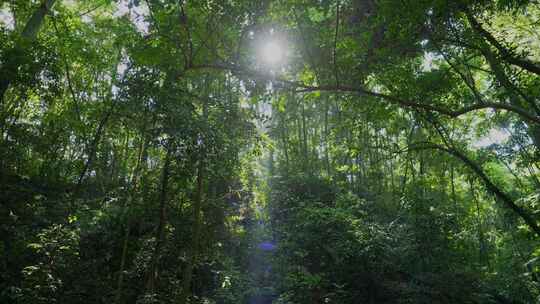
135	183
193	251
153	269
326	144
304	138
93	146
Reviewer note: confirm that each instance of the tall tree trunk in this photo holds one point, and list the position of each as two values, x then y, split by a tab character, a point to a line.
454	196
8	71
153	269
483	257
284	138
326	144
304	138
193	251
135	178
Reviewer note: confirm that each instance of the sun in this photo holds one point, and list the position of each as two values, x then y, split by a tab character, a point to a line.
272	52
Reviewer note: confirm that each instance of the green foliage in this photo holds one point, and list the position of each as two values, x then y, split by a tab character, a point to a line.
146	152
55	252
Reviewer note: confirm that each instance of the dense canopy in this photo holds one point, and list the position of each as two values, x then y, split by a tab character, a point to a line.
269	151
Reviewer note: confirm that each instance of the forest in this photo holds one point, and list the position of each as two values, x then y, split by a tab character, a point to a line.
270	151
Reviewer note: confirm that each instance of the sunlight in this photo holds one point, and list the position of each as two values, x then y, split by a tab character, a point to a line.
272	53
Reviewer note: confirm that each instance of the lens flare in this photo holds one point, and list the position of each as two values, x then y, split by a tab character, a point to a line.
272	52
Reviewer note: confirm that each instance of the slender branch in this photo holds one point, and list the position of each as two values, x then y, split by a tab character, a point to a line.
477	169
71	89
91	10
468	78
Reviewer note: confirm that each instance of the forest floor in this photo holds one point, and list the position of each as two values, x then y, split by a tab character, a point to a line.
261	275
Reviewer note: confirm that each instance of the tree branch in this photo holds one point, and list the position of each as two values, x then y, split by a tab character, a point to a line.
477	169
505	53
359	90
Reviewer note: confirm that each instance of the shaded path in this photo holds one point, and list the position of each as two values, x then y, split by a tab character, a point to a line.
260	271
